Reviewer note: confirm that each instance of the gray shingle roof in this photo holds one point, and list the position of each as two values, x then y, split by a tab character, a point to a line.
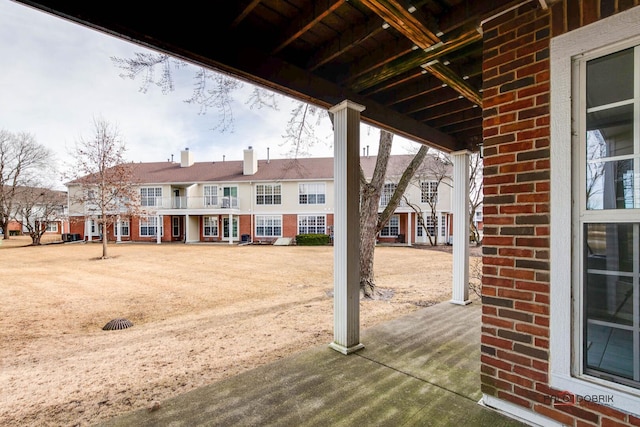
317	168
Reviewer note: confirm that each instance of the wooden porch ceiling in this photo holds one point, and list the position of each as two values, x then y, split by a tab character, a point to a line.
415	65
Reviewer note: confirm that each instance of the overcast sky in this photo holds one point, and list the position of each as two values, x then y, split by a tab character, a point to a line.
57	77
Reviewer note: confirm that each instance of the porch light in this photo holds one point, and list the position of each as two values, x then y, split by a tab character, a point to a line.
481	148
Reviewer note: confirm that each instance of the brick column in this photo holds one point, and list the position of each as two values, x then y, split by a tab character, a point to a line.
515	282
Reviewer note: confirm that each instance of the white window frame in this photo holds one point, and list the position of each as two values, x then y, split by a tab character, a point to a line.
124	225
308	189
387	192
150	222
565	373
389	226
52	227
213	220
210	195
151	201
265	221
428	191
268	194
304	228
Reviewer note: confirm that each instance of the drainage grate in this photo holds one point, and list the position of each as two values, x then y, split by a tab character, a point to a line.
117	324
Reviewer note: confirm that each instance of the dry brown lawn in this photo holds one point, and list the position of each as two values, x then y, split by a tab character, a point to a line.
200	313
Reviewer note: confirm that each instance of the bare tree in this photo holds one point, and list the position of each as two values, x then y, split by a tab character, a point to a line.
476	195
37	207
299	134
370	221
21	160
434	171
105	178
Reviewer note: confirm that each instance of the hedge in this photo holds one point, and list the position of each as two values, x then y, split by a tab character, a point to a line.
313	239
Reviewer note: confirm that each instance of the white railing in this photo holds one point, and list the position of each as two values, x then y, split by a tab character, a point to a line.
179	202
196	202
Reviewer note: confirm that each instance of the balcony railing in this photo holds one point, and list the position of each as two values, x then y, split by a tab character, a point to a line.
384	202
195	202
179	202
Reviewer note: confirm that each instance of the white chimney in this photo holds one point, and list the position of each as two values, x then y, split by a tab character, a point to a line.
186	158
250	166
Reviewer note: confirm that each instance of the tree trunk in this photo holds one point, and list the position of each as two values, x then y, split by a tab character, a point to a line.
369	204
5	229
103	234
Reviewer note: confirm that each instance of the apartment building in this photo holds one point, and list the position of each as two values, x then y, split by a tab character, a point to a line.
258	200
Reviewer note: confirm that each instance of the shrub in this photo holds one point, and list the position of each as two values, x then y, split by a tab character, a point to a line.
313	239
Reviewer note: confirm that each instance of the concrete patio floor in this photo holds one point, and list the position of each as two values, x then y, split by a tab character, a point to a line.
419	370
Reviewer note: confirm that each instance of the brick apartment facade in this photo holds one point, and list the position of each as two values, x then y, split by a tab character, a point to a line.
522	362
197	201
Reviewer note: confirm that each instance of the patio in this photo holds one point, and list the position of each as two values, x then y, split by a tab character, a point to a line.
422	369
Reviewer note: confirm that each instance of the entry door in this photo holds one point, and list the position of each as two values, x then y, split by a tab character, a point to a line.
176	226
225	228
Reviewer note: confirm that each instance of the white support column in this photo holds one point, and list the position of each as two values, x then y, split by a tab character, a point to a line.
409	229
118	234
88	226
230	228
158	228
460	293
346	242
186	228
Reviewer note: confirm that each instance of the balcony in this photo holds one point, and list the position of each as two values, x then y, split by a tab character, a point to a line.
195	202
179	202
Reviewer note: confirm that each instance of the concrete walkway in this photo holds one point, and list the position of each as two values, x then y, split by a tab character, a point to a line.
419	370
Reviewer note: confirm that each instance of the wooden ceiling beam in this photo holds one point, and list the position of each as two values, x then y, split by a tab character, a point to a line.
416	59
440	96
347	40
443	109
315	12
245	9
396	15
455	117
384	54
454	81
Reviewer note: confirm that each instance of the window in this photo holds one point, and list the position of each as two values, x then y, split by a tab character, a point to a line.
312	224
311	194
429	192
210	195
149	226
210	226
175	226
52	227
430	224
392	227
151	196
419	225
609	162
595	140
387	192
124	227
268	194
268	226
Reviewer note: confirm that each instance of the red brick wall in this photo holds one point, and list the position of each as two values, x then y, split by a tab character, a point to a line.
515	284
289	225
